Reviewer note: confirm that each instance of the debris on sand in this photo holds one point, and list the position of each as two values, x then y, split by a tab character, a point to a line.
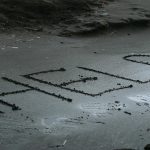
13	106
80	80
100	122
125	149
148	130
59	146
56	146
128	113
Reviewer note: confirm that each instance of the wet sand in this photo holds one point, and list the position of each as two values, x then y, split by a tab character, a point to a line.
89	93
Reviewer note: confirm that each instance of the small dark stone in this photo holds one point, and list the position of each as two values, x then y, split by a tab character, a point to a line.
148	129
124	105
131	86
118	83
27	117
95	52
125	149
14	107
126	112
62	69
32	120
100	122
84	80
69	100
95	78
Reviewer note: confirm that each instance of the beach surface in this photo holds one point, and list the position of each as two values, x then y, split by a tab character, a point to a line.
75	93
80	88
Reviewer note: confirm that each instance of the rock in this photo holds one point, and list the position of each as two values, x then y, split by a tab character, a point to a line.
147	147
126	112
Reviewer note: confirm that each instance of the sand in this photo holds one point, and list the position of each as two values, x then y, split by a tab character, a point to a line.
44	119
87	89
